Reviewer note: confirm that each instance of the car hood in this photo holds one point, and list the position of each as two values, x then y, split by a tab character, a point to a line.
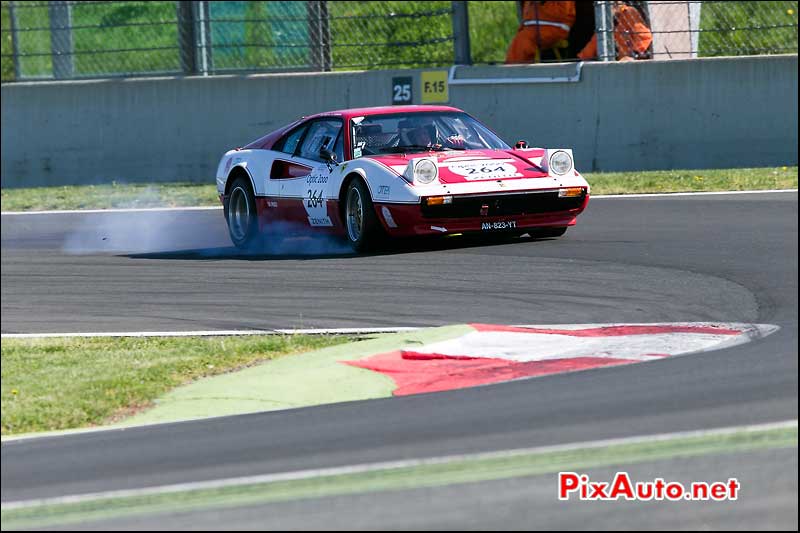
461	166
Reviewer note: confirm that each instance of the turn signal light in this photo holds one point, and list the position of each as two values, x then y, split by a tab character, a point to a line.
439	200
570	192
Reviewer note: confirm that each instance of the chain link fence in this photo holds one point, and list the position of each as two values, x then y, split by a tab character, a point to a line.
684	30
69	40
66	40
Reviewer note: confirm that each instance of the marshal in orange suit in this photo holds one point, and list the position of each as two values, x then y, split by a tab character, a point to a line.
544	24
631	35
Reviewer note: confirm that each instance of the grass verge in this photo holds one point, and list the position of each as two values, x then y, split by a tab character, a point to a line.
114	195
192	194
431	473
659	181
63	383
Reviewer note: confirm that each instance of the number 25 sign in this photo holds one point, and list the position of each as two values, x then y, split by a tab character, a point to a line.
402	90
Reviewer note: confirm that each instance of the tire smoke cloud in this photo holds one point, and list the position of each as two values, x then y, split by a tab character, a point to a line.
160	232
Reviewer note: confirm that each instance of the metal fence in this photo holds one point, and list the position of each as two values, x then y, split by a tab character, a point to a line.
68	40
681	30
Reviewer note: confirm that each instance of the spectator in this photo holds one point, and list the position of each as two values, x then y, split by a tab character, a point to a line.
544	24
632	36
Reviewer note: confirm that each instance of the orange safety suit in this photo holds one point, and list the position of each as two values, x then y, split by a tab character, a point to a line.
543	25
631	35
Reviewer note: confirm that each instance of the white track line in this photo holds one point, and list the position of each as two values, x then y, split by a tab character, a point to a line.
389	465
209	333
333	331
670	194
214	208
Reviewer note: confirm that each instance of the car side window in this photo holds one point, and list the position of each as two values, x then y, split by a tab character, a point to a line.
288	144
322	134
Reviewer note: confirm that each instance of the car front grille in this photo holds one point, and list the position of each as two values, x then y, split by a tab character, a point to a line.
502	205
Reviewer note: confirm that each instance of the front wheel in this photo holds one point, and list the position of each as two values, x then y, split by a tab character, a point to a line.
361	223
240	213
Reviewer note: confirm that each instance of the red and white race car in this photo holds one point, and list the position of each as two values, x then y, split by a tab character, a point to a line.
396	171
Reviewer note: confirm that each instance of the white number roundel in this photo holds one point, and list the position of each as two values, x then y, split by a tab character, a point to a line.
483	170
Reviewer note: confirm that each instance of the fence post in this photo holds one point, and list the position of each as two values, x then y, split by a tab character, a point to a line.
694	27
12	15
186	37
604	29
204	59
461	46
61	40
319	35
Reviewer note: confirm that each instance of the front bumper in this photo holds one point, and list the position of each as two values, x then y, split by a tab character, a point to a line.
482	214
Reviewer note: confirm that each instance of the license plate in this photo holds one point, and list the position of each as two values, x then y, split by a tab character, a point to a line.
499	225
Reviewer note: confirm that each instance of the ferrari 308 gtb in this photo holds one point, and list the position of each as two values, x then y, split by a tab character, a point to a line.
400	171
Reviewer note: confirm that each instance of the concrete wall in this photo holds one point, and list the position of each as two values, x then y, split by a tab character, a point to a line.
722	112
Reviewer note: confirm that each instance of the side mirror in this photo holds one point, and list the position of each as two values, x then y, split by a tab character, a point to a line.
521	144
327	155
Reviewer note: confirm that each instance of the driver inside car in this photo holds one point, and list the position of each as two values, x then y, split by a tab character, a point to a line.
420	133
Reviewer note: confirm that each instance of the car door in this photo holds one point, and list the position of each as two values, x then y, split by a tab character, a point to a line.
306	198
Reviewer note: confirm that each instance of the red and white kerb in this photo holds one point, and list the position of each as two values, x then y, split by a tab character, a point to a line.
492	354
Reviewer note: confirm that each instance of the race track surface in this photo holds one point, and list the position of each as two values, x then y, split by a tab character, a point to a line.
703	258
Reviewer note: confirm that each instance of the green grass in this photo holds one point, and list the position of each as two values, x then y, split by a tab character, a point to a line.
468	469
142	37
492	25
659	181
62	383
110	196
748	28
193	194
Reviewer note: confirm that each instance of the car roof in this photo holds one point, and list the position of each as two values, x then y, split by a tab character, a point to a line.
269	139
384	110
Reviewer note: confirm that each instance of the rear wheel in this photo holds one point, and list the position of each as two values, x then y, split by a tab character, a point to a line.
240	213
361	223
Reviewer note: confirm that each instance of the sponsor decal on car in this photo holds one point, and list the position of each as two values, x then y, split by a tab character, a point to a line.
314	201
490	169
320	221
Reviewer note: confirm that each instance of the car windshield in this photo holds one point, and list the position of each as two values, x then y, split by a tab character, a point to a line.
414	132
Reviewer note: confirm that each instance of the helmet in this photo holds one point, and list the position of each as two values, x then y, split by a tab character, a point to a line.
417	131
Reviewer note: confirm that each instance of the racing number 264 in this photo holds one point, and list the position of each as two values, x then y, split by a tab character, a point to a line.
485	170
314	198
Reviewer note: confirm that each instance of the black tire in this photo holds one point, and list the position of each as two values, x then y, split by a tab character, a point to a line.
547	233
240	213
361	224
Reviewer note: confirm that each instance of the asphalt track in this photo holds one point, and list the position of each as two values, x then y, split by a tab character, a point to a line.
702	258
522	503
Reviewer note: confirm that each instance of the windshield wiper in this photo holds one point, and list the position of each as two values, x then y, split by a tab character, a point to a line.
410	148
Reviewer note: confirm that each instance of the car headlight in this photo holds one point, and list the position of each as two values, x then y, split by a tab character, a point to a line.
560	163
425	171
